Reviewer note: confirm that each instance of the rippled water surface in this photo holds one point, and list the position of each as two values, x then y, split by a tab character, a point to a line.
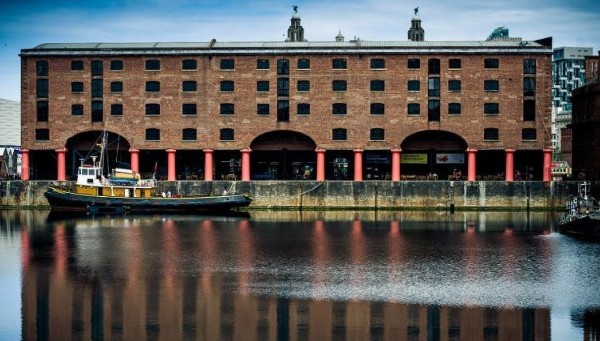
297	275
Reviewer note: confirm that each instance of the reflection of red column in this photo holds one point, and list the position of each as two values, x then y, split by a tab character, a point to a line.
547	165
62	167
171	164
135	159
320	164
208	164
24	164
246	164
358	165
396	164
510	164
471	175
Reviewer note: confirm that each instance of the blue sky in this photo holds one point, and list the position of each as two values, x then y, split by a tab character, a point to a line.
26	23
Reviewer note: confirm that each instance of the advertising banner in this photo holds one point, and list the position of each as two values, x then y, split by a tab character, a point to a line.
445	158
413	159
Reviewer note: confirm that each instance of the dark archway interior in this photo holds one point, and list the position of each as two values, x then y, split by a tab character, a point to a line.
433	152
283	155
83	146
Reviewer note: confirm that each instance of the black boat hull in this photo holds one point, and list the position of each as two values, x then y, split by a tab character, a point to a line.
62	200
587	226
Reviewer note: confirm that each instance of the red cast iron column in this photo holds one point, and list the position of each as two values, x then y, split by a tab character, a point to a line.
208	164
509	174
471	174
396	164
171	164
320	164
358	165
246	164
62	167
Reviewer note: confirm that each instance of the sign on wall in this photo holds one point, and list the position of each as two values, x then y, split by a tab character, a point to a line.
413	159
445	158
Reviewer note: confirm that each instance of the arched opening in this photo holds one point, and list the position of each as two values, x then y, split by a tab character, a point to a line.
85	145
283	154
431	152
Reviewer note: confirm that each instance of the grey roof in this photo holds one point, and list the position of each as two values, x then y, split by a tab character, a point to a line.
214	47
10	123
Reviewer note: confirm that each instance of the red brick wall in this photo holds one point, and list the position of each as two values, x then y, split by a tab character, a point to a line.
248	125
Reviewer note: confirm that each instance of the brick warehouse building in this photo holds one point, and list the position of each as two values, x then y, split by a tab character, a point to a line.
353	110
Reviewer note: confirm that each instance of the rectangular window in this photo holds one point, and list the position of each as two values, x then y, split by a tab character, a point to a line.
153	86
303	85
116	65
303	109
433	66
262	86
77	109
283	111
42	88
433	87
433	111
116	86
414	109
413	85
42	111
339	85
116	109
189	64
227	86
490	134
152	109
188	86
529	86
262	109
189	134
339	109
262	64
491	108
188	109
377	63
226	134
529	67
283	87
339	63
41	67
227	64
377	134
377	108
152	65
227	109
97	111
454	63
529	134
491	63
76	65
42	135
377	85
76	86
454	85
97	68
339	134
529	110
97	88
491	85
152	134
303	64
454	108
283	67
414	63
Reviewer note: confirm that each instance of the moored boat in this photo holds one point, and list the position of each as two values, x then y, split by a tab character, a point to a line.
582	215
124	190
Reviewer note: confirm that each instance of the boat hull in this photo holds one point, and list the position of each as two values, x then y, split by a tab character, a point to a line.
587	226
62	200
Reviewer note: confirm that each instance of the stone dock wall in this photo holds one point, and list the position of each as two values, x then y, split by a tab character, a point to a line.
312	195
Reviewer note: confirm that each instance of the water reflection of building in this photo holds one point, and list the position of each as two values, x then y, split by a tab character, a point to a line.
117	292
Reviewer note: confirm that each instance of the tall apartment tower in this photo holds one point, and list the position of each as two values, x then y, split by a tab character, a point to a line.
416	32
568	73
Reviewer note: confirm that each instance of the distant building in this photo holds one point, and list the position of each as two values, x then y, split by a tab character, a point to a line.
10	138
568	73
585	126
416	32
499	33
355	110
